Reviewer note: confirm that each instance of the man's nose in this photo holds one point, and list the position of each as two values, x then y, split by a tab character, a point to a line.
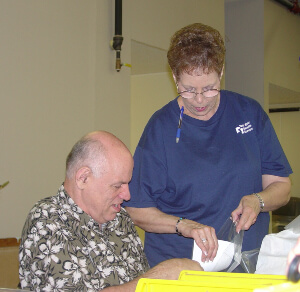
125	194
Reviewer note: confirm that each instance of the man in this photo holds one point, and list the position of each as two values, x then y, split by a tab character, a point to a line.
82	239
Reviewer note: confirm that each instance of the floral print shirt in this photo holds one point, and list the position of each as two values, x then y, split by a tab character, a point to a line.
64	249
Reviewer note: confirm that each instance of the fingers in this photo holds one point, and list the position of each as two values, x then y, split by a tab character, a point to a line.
246	213
207	241
204	236
247	219
235	215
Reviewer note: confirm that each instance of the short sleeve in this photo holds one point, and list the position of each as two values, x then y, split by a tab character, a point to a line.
274	160
150	168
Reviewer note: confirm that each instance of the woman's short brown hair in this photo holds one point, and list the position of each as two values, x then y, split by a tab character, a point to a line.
196	48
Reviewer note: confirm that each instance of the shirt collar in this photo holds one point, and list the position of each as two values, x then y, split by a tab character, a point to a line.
72	209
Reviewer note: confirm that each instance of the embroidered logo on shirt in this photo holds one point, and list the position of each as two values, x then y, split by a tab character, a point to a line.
244	128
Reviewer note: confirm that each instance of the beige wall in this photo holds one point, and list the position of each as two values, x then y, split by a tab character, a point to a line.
57	82
148	94
282	68
287	127
154	22
244	66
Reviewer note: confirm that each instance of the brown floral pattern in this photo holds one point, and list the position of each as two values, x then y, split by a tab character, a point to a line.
64	249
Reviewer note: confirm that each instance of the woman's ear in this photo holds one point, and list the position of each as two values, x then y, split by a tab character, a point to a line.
175	80
221	75
82	177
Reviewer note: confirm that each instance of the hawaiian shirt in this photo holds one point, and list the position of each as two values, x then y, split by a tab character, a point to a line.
64	249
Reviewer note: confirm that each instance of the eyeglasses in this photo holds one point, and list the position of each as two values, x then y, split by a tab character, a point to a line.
192	94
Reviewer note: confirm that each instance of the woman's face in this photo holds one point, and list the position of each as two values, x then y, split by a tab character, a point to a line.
199	107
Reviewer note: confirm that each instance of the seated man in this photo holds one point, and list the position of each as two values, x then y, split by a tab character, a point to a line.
82	239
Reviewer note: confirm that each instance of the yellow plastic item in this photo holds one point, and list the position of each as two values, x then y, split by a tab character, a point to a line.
236	278
285	287
190	281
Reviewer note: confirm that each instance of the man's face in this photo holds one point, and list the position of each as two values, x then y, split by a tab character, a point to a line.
103	196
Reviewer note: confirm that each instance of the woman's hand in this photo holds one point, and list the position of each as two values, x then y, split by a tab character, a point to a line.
275	194
246	213
205	237
153	220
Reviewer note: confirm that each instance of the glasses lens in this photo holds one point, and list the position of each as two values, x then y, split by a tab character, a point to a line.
210	93
187	94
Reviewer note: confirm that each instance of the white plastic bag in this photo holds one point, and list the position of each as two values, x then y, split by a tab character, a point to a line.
272	258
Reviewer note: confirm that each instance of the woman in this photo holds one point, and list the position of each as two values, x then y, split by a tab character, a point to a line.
225	161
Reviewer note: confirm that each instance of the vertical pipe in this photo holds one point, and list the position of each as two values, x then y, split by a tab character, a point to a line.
118	17
118	39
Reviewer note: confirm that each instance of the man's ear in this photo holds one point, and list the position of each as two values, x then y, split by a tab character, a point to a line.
82	177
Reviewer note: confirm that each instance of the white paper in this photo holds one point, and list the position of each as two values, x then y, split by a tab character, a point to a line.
275	247
222	260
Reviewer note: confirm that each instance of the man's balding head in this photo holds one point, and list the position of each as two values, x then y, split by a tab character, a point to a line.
98	171
92	151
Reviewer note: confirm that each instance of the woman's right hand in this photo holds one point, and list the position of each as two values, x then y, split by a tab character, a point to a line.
153	220
204	236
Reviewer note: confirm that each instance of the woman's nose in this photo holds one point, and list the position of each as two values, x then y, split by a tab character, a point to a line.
199	97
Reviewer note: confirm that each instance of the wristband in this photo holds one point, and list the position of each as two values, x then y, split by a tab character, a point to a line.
181	218
261	201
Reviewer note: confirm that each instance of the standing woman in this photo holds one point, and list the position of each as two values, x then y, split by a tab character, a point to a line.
225	161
